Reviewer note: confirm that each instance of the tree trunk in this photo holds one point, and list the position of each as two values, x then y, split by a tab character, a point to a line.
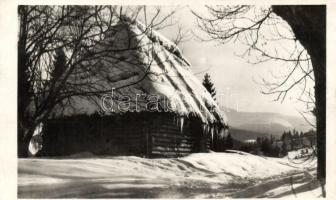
308	24
320	103
25	126
24	137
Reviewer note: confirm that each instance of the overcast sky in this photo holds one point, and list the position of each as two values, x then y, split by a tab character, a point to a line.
233	76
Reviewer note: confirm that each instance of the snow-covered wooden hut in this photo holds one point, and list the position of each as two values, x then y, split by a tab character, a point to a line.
153	105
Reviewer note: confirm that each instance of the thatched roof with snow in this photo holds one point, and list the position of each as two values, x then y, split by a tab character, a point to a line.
142	66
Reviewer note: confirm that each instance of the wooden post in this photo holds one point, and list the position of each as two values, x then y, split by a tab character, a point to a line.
148	139
147	143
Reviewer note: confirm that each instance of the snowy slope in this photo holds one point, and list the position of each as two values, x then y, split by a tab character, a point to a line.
202	175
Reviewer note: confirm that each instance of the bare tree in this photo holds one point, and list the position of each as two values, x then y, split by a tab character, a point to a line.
60	49
182	35
265	31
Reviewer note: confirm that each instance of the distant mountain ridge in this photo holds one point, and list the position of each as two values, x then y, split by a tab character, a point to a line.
244	124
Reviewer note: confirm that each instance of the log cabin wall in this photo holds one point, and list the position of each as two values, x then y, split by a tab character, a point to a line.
174	136
99	135
145	135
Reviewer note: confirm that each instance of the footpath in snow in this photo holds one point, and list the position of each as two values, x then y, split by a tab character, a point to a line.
201	175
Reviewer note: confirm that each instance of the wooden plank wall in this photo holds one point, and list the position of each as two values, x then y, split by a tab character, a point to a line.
152	135
100	137
167	139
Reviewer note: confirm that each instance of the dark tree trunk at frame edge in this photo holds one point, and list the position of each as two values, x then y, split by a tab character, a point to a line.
309	26
25	128
23	142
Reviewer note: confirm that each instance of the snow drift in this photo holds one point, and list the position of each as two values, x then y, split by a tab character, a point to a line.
201	175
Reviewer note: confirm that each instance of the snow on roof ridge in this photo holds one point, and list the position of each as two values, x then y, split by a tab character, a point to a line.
155	36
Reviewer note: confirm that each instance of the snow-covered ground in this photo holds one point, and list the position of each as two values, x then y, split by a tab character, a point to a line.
201	175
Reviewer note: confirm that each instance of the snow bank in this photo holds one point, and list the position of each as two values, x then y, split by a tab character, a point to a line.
240	165
197	175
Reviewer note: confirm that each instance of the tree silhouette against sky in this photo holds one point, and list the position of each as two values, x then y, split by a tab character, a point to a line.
263	30
207	83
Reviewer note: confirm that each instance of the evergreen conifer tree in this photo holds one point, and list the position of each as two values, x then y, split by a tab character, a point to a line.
209	85
59	64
